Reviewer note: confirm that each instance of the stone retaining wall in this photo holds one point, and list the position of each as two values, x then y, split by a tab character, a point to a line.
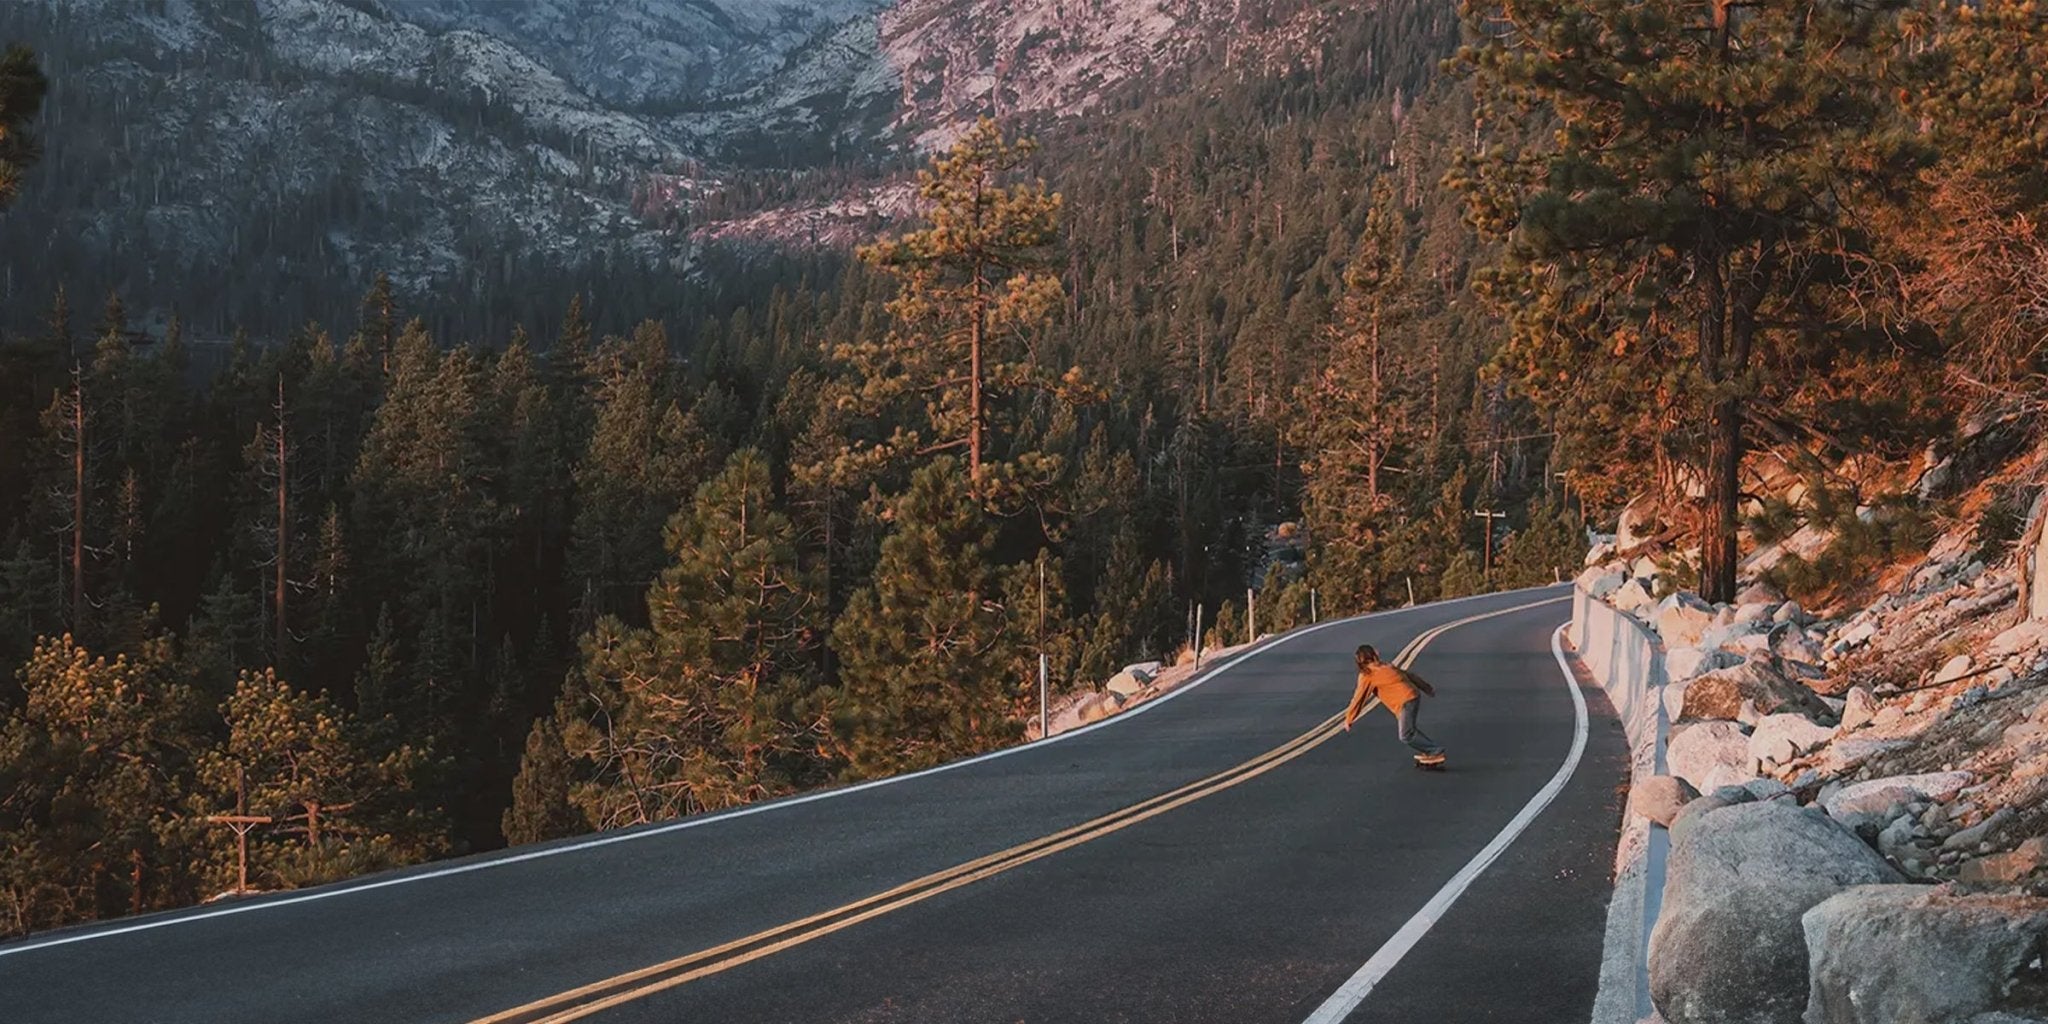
1627	660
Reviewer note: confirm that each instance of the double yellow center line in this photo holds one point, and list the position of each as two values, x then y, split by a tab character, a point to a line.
596	997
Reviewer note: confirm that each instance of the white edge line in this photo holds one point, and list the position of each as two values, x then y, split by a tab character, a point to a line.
1352	992
631	835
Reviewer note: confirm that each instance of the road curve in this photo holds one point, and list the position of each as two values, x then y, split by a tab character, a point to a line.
1220	855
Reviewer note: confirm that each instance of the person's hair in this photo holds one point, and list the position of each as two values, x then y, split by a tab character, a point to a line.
1368	656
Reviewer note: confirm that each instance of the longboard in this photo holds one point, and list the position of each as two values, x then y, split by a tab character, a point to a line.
1432	765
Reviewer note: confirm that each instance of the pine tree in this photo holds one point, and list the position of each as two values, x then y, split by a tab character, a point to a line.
1548	546
22	86
223	636
932	663
381	688
70	471
539	469
427	486
1464	576
1423	543
703	708
329	614
29	607
59	323
571	387
270	456
1135	614
971	284
1675	239
1226	628
1972	250
1358	412
340	809
94	769
540	793
378	334
644	456
332	407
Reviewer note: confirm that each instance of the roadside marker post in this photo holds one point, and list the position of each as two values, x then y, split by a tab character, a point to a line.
1041	696
1042	688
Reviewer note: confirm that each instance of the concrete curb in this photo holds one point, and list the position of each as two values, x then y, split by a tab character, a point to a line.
1627	661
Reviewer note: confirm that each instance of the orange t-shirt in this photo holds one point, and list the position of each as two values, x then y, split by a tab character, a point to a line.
1389	684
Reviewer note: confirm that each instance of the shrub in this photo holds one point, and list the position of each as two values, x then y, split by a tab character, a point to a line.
1894	528
1463	576
2000	525
1775	521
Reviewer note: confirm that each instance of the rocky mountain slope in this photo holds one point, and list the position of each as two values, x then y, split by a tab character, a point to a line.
959	58
635	54
1872	842
307	144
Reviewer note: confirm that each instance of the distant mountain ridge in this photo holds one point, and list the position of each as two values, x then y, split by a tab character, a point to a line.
635	53
473	144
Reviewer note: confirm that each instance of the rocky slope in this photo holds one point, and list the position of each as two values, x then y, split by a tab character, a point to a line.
476	144
642	55
1872	845
959	58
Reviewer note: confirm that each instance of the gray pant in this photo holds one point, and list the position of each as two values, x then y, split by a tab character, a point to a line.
1412	735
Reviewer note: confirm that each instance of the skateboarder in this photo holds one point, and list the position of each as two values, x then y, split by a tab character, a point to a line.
1401	692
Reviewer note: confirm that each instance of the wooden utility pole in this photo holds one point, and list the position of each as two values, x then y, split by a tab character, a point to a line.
242	823
1564	483
1489	516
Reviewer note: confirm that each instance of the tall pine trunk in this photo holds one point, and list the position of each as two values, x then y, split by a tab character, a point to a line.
77	500
1722	363
974	386
974	345
1724	461
283	531
1376	448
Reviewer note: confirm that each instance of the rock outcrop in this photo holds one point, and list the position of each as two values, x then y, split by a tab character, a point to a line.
1729	947
1684	664
1660	797
1682	619
1842	756
1721	694
1778	739
1709	755
1888	954
1883	796
2024	862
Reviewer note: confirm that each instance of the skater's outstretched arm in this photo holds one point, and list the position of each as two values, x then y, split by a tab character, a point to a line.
1419	683
1358	700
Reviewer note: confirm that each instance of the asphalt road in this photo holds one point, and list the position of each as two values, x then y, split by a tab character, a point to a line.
1252	896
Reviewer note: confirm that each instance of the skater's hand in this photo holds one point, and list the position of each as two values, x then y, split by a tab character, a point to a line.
1347	727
